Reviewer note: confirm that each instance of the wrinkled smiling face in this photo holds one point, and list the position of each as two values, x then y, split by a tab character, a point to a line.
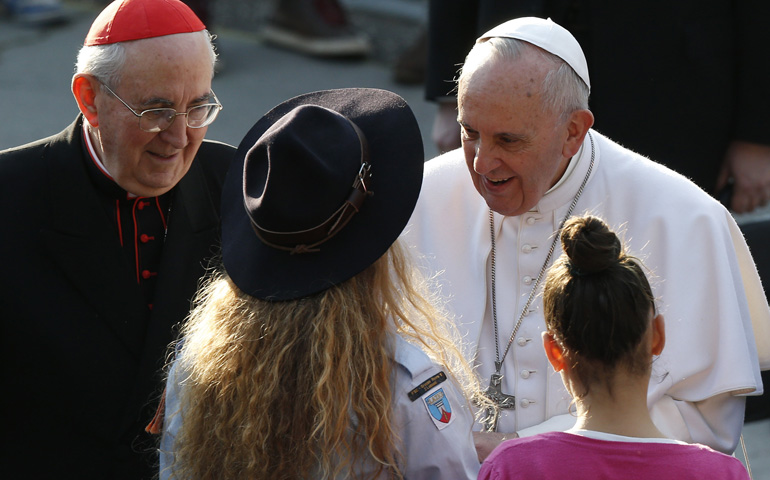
174	72
513	146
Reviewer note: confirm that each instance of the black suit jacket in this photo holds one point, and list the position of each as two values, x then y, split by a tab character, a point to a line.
82	356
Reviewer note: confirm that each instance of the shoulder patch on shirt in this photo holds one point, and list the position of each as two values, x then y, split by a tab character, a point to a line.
425	386
439	408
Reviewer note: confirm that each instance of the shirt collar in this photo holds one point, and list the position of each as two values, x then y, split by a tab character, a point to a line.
97	161
565	189
568	171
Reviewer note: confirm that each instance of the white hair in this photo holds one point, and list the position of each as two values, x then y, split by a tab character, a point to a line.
563	90
105	62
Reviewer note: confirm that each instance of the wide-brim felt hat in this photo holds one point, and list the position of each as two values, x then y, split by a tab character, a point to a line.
320	188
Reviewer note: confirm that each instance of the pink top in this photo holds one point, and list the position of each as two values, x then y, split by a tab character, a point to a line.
560	455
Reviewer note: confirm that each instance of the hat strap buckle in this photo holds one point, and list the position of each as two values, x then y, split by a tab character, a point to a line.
307	241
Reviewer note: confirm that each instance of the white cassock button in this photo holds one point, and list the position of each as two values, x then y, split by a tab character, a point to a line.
522	341
531	220
525	402
525	373
526	279
526	248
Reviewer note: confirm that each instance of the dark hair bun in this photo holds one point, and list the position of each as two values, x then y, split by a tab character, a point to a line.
597	302
590	245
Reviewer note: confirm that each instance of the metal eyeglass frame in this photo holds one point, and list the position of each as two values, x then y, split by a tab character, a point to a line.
209	119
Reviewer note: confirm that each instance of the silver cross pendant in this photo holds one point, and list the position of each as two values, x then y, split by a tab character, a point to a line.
501	400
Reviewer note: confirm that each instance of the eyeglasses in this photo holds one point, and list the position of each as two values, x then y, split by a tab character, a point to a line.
156	120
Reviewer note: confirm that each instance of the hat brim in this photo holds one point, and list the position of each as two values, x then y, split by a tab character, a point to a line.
396	156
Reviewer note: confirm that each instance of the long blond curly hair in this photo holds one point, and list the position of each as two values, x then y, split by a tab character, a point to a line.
270	388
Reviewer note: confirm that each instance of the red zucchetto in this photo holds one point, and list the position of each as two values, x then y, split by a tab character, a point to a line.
125	20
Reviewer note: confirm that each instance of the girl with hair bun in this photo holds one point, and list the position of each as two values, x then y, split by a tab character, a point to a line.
602	332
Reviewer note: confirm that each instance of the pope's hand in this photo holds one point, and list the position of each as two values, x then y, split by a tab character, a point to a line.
487	441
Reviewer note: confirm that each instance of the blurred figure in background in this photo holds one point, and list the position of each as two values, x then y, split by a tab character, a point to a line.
35	13
319	28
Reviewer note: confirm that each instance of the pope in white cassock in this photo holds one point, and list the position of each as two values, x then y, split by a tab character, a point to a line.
487	220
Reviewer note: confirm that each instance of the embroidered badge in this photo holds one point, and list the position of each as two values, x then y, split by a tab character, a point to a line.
438	407
425	386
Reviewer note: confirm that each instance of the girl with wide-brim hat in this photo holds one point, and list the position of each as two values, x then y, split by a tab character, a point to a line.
316	351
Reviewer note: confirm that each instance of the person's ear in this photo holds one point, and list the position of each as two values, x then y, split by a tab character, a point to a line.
658	334
577	127
553	351
85	88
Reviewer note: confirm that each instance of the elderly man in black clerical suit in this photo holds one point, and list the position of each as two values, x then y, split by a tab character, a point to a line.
107	229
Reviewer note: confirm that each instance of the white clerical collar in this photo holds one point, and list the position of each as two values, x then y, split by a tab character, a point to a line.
95	157
570	168
564	190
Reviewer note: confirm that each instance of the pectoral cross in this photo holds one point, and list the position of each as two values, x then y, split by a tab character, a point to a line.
494	392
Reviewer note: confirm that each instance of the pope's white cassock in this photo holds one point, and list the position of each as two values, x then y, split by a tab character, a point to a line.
701	271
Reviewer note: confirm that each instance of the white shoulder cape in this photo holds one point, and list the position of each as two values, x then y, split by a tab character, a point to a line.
706	283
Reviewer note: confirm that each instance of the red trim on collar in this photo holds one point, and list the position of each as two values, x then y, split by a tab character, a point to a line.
117	217
136	245
162	215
